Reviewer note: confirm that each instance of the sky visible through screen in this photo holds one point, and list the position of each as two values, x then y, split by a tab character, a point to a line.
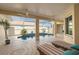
44	23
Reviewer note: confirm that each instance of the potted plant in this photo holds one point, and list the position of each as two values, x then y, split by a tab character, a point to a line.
23	33
6	26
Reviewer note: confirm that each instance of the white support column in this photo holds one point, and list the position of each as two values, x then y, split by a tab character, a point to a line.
37	30
54	29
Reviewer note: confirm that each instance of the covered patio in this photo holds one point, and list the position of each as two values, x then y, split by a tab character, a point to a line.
44	23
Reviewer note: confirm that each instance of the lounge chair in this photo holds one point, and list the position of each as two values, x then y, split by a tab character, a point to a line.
62	44
49	49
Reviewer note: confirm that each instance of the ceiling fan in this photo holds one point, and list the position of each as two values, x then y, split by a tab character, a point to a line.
29	13
26	12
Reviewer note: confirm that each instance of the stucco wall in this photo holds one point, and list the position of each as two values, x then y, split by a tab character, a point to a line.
2	35
76	23
69	38
59	28
74	11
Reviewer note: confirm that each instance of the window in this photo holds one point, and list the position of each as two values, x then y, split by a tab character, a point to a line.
68	23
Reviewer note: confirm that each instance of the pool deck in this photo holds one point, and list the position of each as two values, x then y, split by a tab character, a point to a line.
23	47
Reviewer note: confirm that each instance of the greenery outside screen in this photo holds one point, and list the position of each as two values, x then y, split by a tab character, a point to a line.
68	21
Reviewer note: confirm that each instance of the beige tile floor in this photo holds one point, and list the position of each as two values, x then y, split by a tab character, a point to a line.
23	47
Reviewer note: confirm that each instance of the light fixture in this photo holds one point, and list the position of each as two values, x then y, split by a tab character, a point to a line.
26	12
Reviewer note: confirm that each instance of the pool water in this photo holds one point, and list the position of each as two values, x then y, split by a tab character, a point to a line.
42	37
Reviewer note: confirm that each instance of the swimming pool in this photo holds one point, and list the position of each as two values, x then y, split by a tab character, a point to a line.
25	37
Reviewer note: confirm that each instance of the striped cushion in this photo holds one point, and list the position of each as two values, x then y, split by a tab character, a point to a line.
50	49
62	44
55	49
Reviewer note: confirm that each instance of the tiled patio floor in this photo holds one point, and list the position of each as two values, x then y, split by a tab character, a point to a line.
23	47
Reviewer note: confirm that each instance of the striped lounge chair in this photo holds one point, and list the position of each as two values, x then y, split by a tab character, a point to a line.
49	49
62	44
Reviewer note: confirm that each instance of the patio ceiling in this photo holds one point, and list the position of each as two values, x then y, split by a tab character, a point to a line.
53	10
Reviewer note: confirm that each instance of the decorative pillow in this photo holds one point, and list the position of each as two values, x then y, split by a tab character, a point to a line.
71	52
75	46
